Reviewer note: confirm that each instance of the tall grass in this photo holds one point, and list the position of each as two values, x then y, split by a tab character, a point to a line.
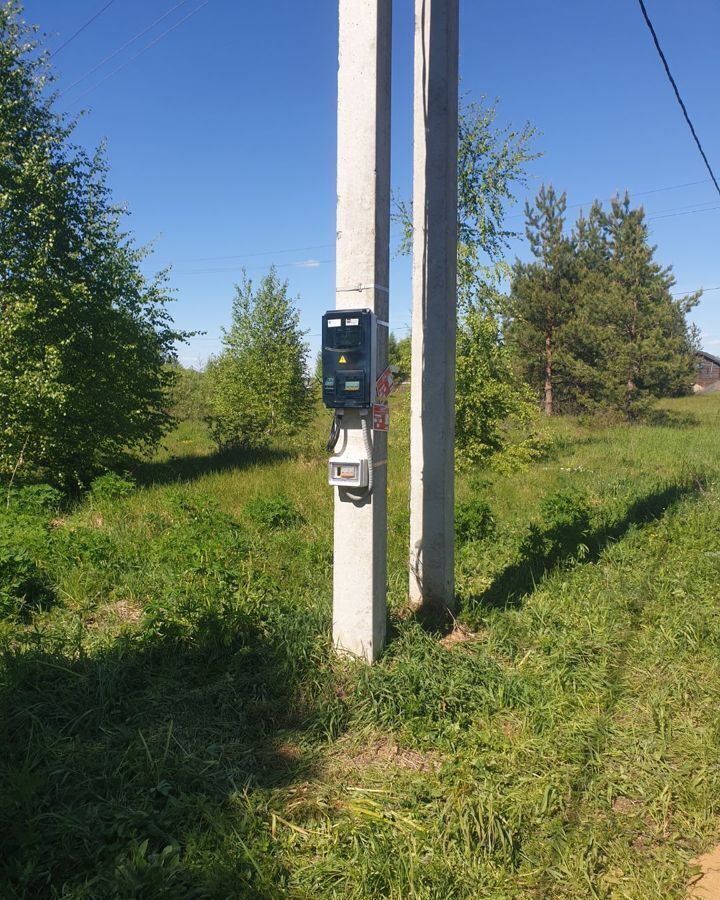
176	725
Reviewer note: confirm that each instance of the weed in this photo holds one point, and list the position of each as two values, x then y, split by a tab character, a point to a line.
111	486
474	521
273	512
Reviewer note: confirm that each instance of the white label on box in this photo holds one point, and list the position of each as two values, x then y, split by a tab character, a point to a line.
334	323
352	321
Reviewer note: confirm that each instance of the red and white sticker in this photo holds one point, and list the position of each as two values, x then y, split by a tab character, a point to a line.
381	417
384	384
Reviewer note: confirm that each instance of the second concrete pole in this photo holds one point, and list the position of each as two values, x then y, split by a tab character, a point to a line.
432	418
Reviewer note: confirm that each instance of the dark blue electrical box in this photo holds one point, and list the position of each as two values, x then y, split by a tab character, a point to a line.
348	358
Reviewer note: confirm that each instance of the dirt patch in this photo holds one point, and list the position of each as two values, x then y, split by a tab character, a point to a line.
460	635
96	520
383	753
624	806
127	611
288	754
123	611
706	884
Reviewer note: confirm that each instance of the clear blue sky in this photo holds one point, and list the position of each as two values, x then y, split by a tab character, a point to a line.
221	136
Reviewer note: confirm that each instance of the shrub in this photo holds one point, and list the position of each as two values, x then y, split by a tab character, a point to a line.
563	530
23	541
257	386
111	487
34	499
474	521
273	512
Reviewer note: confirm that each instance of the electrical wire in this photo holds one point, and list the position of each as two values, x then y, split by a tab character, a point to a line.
334	431
123	47
677	93
368	451
633	194
704	290
81	29
299	264
143	49
688	213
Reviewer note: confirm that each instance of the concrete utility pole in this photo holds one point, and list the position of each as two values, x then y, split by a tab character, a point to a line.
432	417
362	274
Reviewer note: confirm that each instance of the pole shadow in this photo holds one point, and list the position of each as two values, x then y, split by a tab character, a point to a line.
544	550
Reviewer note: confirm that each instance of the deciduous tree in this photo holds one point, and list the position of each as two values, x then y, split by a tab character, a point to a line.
259	385
84	337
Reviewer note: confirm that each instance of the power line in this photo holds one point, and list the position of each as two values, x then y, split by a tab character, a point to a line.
258	253
704	290
690	207
298	264
687	213
81	29
120	49
677	93
660	190
143	49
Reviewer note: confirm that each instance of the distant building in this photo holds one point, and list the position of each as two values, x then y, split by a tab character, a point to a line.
708	371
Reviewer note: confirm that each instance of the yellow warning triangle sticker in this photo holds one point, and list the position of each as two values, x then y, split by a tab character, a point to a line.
342	360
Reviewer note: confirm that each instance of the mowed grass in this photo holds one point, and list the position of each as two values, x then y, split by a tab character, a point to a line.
176	725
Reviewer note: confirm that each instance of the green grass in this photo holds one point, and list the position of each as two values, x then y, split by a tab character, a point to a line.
175	724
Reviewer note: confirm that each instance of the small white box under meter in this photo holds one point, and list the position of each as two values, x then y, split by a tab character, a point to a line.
348	472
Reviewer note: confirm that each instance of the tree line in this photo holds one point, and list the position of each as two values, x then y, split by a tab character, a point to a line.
88	365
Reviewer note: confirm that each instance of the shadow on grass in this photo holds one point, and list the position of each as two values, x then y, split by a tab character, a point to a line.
192	467
130	773
544	550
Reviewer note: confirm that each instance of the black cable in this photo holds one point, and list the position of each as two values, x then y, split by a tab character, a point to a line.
334	432
82	28
677	93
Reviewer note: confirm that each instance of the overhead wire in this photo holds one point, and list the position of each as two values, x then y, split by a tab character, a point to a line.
81	29
147	46
660	190
123	47
677	94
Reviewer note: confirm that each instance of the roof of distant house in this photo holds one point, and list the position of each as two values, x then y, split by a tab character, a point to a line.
706	355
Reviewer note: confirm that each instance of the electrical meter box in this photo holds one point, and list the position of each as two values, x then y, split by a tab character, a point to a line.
348	358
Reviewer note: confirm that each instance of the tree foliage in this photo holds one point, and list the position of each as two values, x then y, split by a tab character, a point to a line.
594	322
491	165
189	400
258	385
399	350
84	338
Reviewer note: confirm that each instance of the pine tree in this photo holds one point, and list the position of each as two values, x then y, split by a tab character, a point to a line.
542	296
259	387
652	351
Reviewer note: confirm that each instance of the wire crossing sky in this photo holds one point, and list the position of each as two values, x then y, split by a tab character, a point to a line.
677	94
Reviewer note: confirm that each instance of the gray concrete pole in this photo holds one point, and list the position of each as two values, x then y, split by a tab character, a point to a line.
432	417
362	274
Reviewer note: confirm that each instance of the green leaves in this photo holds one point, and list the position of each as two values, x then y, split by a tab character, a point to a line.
84	338
258	386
